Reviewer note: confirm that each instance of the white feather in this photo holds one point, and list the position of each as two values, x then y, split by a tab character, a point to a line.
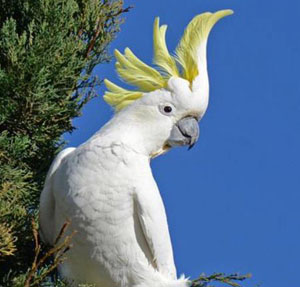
106	188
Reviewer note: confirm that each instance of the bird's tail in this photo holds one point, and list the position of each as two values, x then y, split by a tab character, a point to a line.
181	282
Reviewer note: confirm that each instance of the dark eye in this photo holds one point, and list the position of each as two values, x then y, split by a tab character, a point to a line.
167	109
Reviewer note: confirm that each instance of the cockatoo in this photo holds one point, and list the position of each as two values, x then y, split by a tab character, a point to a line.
105	186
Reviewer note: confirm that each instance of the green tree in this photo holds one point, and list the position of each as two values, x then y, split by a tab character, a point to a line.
48	50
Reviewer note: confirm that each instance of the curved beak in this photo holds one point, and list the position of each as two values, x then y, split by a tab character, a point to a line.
185	132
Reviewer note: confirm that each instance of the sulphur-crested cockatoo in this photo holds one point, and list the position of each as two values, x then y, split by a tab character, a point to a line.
105	186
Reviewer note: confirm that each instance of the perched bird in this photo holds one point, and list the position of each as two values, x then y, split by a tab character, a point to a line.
105	186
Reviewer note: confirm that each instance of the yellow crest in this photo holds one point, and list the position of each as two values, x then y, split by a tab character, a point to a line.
184	64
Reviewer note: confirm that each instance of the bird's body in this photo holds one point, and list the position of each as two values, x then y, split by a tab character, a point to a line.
105	187
109	195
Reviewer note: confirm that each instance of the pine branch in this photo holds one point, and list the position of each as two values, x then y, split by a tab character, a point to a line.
58	251
98	28
229	280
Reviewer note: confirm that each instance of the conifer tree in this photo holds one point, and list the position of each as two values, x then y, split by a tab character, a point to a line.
48	50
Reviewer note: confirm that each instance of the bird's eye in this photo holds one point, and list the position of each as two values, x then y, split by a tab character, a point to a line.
167	109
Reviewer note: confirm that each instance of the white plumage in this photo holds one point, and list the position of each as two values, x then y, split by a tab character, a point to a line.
106	189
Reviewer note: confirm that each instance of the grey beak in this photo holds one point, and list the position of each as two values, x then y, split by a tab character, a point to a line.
185	132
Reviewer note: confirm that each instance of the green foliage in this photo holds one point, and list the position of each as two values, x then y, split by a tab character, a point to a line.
48	50
232	280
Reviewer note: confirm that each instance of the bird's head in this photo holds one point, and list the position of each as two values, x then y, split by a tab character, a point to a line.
170	101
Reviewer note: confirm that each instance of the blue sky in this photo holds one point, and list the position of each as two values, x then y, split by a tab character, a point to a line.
233	200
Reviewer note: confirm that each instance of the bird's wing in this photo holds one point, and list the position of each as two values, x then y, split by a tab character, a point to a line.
153	220
47	204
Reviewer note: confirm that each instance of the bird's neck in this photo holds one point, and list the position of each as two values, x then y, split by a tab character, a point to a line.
141	137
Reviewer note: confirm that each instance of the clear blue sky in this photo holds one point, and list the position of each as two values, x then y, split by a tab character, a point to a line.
233	200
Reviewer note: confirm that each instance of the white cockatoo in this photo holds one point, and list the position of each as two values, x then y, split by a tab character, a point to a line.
105	186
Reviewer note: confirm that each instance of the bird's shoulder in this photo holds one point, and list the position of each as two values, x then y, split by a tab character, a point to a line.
98	164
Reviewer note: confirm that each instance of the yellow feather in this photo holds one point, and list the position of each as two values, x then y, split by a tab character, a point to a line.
196	33
119	97
136	73
162	57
